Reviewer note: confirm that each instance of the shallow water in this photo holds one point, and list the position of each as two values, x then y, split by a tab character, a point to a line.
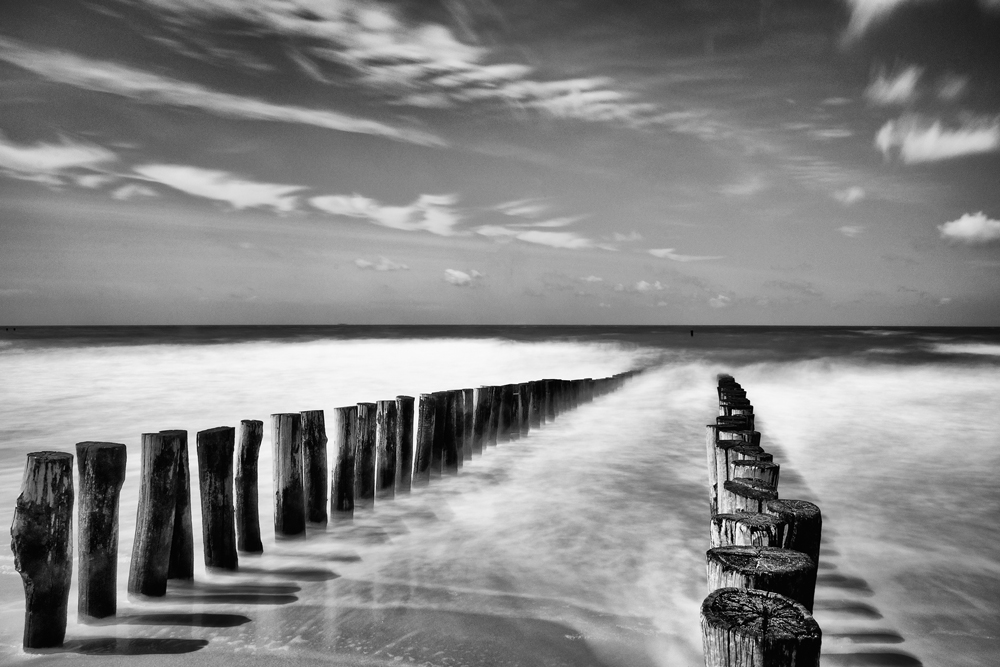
580	544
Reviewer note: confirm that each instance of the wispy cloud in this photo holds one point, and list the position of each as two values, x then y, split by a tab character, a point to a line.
865	13
720	301
851	231
47	162
592	279
669	253
917	140
429	213
222	186
898	88
131	191
383	264
523	208
851	195
143	86
461	278
971	228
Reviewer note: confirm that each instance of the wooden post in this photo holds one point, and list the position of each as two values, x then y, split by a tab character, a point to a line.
523	409
215	475
468	410
765	471
289	495
745	495
182	540
496	405
440	432
102	472
535	413
247	513
750	529
426	413
386	449
752	628
785	571
550	399
515	413
805	525
459	395
506	413
364	461
454	426
154	523
314	465
42	542
404	440
481	418
345	440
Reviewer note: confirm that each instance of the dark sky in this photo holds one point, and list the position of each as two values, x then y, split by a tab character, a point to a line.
478	161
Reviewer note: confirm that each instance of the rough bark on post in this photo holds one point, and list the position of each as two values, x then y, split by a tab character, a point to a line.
785	571
247	513
345	440
440	432
496	404
426	416
523	409
481	418
469	410
765	471
454	426
459	395
805	525
726	451
364	457
289	495
534	404
385	449
182	540
314	464
752	628
745	495
750	529
506	413
404	440
154	523
42	542
102	472
215	475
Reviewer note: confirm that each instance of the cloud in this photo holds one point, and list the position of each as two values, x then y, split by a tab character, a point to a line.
865	13
851	231
627	238
383	264
133	190
222	186
94	181
48	163
461	278
894	89
592	279
643	286
563	240
851	195
920	141
143	86
429	213
951	87
971	229
720	301
523	208
668	253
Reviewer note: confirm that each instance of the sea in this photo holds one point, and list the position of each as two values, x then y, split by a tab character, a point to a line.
582	544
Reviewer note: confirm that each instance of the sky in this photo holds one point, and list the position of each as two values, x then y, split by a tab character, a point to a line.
685	162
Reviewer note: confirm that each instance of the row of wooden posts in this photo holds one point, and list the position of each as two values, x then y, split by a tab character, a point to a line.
765	551
376	455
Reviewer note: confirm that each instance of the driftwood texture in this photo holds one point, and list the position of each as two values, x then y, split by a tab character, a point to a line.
314	465
745	495
480	419
426	418
404	440
747	529
454	427
785	571
154	523
247	514
805	525
752	628
42	542
364	461
468	411
102	471
289	494
215	477
386	447
496	403
182	539
345	441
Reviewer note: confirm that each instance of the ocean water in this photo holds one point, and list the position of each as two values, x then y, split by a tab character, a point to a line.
582	544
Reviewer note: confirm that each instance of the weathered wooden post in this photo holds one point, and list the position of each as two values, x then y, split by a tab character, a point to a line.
523	409
481	418
215	475
289	494
440	432
515	414
785	571
752	628
550	399
364	461
805	525
459	398
745	495
535	413
386	449
426	414
404	440
468	410
496	405
765	471
314	482
345	440
42	542
750	529
247	514
506	413
154	523
454	427
102	472
182	540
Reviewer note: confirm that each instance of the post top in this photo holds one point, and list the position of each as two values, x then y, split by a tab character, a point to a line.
51	456
91	445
